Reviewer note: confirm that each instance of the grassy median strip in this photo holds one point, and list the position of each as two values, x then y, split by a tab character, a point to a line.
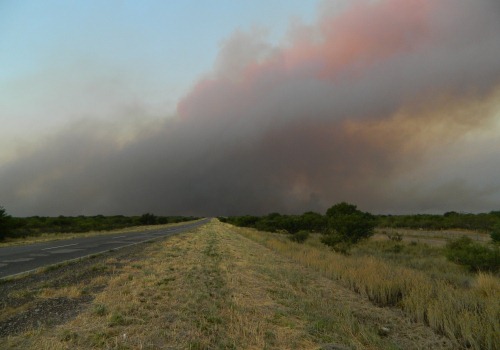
214	288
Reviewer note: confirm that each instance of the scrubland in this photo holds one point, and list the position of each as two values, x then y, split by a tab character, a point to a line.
222	287
414	277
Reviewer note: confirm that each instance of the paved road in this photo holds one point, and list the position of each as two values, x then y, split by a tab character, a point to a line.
18	259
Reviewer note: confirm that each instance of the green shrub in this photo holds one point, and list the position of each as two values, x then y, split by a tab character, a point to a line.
395	237
300	237
475	256
337	242
117	319
495	233
100	309
5	223
347	226
148	219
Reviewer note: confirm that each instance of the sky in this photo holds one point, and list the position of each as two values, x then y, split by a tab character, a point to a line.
236	107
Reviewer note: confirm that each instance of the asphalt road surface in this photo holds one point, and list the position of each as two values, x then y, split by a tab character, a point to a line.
19	259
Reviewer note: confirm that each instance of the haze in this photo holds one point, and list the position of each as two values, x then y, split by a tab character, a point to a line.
222	108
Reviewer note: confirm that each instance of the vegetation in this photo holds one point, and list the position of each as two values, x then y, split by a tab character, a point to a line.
476	256
254	289
414	277
275	222
451	220
5	223
300	237
347	226
343	225
15	227
495	233
213	289
315	222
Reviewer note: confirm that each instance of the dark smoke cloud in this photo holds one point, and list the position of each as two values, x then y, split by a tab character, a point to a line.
375	105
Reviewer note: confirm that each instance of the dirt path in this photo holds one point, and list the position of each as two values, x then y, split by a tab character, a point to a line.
215	289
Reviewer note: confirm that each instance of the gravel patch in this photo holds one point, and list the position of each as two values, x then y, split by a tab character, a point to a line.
23	309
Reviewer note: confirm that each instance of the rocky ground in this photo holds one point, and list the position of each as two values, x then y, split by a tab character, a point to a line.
26	305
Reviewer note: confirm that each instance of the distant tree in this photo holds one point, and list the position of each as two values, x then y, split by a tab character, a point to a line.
347	226
5	223
162	220
495	233
271	222
148	219
312	221
299	237
245	221
474	255
341	209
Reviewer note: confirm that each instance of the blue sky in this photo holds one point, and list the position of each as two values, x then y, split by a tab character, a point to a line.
37	34
65	60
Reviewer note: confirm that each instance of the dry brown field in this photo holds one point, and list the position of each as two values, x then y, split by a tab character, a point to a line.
437	238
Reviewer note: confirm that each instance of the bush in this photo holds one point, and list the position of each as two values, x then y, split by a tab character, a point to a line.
245	221
475	256
148	219
5	223
300	237
312	221
337	242
495	233
347	226
395	237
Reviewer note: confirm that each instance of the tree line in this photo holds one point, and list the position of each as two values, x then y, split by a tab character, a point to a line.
315	222
31	226
485	222
344	225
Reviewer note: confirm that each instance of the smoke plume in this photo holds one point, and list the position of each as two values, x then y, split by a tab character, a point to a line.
390	104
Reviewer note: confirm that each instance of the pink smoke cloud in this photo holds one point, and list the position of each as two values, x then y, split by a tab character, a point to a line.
369	105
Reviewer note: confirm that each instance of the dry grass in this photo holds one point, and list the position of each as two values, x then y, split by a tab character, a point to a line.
468	316
67	292
437	238
215	289
20	299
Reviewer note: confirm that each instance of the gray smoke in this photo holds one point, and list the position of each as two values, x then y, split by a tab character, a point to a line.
362	107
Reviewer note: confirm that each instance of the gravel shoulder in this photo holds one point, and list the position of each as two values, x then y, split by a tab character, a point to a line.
58	293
